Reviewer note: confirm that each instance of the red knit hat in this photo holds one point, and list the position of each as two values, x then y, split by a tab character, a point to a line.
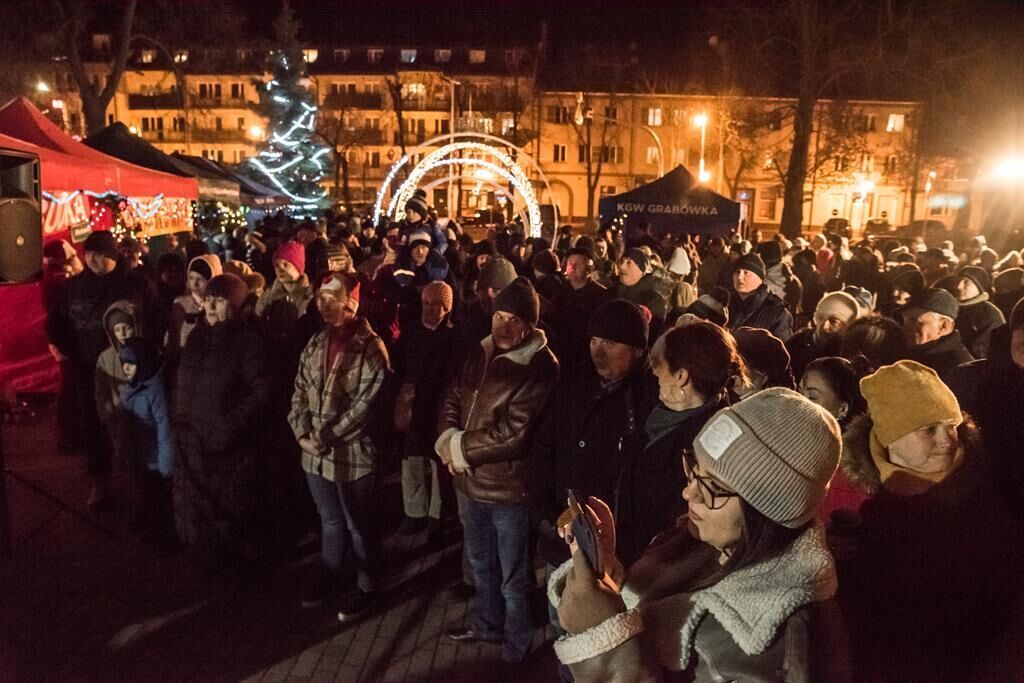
294	253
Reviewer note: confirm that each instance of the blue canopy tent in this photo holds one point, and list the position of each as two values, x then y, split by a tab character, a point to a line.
675	203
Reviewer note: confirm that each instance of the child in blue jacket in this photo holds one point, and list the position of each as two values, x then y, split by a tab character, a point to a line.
147	439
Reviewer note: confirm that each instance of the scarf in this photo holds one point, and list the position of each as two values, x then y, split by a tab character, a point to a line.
901	480
661	422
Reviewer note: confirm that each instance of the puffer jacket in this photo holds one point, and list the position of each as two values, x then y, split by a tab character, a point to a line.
148	437
774	620
109	373
333	408
915	577
490	413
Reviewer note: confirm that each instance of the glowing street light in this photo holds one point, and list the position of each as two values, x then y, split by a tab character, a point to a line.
256	132
1010	169
702	121
865	187
134	130
42	87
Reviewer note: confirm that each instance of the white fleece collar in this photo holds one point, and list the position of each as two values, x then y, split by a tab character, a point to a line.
754	602
522	354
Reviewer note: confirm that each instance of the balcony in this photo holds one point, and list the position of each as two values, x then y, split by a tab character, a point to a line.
168	100
359	100
411	139
426	104
197	102
198	135
495	103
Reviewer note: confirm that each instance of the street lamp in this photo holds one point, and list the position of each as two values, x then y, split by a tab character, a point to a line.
702	121
580	117
256	132
42	87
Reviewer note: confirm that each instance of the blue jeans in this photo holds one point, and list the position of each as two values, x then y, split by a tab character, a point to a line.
497	539
347	525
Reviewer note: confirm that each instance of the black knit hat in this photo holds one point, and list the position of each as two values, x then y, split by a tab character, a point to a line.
638	257
979	276
102	242
908	278
620	321
770	252
545	262
753	263
520	299
712	307
230	287
417	204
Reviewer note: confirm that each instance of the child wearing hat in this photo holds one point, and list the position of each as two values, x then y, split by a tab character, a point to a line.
148	439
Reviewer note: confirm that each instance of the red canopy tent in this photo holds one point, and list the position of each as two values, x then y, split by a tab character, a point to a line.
69	172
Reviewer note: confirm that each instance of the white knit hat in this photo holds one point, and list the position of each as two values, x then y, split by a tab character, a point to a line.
776	449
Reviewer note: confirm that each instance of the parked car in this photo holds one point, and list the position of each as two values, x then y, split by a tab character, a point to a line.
929	229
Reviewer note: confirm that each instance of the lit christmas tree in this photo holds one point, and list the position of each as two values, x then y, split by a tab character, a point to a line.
291	160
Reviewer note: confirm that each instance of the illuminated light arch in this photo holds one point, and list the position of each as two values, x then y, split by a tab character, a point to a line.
518	205
489	145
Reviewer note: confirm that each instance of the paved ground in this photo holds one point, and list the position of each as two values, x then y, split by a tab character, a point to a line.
82	600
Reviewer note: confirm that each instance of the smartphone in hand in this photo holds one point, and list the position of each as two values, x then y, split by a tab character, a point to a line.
585	533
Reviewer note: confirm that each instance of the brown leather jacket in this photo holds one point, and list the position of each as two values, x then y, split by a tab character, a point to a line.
491	410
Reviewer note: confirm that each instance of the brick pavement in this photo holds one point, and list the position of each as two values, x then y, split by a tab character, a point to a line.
83	600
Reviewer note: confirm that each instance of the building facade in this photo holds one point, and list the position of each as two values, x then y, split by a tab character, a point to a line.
378	103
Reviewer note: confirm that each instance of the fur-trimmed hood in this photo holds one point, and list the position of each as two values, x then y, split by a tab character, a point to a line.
857	464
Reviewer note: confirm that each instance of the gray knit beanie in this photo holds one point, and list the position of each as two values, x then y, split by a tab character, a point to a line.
776	449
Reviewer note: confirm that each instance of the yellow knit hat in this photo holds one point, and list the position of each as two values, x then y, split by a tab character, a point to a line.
904	397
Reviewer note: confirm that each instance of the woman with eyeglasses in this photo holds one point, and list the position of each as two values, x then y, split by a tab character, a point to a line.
742	588
930	569
694	364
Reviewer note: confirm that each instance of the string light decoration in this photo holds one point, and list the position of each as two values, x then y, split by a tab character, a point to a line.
292	160
478	145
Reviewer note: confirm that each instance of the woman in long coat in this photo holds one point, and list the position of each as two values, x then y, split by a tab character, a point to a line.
223	388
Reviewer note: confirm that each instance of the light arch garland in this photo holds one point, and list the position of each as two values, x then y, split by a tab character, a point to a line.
476	142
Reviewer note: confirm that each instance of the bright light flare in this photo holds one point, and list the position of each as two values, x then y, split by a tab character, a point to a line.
704	176
1009	170
700	120
41	86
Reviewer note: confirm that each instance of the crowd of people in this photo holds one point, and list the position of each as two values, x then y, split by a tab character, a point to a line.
799	458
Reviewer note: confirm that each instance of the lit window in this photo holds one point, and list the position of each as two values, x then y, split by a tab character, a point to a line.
477	56
508	126
341	56
607	190
415	89
654	116
652	155
766	204
442	56
181	56
374	56
408	56
147	56
895	123
310	55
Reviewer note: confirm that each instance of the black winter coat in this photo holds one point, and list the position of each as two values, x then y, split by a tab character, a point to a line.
804	348
427	359
586	437
942	355
761	309
75	323
929	583
575	308
223	390
649	492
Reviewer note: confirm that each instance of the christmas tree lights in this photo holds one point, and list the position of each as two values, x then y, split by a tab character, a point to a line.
292	159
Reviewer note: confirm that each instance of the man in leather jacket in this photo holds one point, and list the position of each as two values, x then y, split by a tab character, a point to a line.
486	423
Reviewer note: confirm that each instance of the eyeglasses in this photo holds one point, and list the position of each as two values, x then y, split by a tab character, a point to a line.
711	495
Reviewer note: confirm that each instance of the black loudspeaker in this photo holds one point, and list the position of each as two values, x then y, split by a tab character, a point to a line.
21	218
